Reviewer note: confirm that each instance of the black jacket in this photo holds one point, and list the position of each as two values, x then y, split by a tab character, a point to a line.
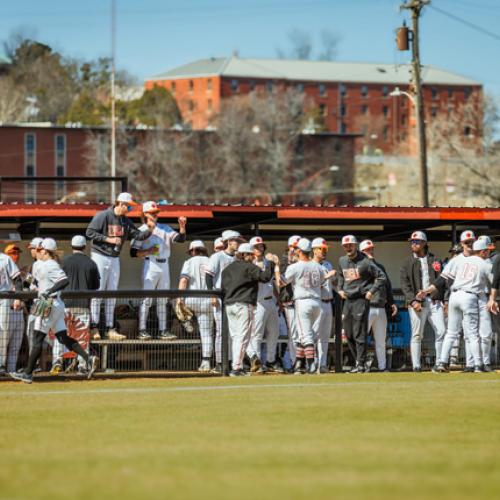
240	281
383	296
106	224
286	292
411	277
83	275
359	275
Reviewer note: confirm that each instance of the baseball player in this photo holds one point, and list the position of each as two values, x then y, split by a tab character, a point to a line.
290	256
28	283
358	282
51	280
239	282
156	251
266	322
470	276
418	272
10	343
193	278
216	264
320	248
218	245
306	278
377	318
107	231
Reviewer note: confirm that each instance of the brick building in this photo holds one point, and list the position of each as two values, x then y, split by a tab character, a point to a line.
351	97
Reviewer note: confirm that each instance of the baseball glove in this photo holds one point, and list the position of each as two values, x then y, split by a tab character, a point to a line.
42	307
185	316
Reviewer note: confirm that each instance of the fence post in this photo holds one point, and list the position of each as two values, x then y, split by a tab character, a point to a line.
224	340
338	332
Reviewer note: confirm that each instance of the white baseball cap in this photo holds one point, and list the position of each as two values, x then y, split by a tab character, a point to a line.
418	235
319	243
349	239
126	198
256	240
304	244
467	235
218	243
245	248
196	244
366	244
150	207
78	241
480	245
231	235
49	244
485	238
35	242
293	240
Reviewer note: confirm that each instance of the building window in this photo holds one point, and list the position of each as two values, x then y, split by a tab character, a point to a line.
364	90
343	110
467	92
209	105
322	90
191	85
30	166
403	120
269	86
191	106
342	90
434	111
300	87
364	109
60	163
322	110
234	86
385	111
252	85
385	90
467	131
450	93
385	133
434	93
343	128
209	84
172	88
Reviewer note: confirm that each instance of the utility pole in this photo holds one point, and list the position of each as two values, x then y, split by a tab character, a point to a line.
113	99
416	6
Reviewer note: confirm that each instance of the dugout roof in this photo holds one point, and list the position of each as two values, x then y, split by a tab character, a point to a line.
272	222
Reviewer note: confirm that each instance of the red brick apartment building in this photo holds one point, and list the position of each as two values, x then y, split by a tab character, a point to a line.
352	97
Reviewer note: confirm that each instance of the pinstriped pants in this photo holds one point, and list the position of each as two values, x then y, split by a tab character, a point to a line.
240	319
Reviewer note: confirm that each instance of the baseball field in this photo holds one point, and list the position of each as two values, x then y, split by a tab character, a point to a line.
331	436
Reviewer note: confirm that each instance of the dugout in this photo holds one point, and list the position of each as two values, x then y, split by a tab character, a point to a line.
388	227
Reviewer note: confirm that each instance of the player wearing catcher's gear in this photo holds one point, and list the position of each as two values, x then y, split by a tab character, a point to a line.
420	271
239	283
320	249
306	278
377	318
266	318
193	278
10	343
286	296
156	252
358	281
470	276
49	311
83	275
216	264
107	231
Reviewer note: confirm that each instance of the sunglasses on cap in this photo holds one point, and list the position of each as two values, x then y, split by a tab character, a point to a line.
416	242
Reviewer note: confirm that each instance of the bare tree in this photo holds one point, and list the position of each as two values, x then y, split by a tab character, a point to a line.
13	104
329	43
300	45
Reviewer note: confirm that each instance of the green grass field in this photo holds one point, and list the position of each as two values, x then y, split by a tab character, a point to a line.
331	436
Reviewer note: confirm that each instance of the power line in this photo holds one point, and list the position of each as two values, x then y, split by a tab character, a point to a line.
466	23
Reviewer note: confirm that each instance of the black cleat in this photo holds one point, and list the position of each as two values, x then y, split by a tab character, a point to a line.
478	369
487	368
144	335
418	369
23	377
275	367
237	373
440	368
166	335
468	369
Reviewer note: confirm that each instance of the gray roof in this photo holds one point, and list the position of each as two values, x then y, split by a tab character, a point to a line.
323	71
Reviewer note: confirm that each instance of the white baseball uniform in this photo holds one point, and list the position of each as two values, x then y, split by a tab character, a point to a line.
48	273
216	264
266	322
306	279
432	311
155	272
8	272
470	275
326	320
194	270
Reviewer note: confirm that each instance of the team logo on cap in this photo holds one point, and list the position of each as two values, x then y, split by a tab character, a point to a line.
467	235
349	239
256	240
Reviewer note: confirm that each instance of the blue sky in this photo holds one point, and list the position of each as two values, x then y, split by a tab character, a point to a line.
156	35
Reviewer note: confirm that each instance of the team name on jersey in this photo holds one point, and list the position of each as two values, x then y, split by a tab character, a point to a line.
351	274
115	230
